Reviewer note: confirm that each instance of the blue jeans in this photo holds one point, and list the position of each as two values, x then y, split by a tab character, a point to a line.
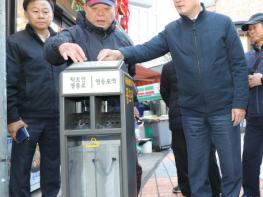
45	132
199	133
252	156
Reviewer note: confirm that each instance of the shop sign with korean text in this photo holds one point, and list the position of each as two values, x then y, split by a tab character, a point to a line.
149	92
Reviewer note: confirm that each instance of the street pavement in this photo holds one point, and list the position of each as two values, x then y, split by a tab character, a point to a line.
159	175
164	178
149	163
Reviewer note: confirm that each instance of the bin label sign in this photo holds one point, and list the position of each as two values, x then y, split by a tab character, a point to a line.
93	143
91	82
129	90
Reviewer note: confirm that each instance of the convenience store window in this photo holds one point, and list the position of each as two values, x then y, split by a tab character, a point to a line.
21	20
58	23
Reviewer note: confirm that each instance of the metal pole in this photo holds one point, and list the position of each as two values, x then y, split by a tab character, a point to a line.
3	129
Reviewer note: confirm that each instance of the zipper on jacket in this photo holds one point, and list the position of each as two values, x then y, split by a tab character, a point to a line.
53	89
197	57
198	64
257	54
257	100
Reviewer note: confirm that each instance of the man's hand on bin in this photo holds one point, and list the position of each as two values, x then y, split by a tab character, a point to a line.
72	51
108	55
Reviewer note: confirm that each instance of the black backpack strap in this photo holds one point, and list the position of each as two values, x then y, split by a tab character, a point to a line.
255	66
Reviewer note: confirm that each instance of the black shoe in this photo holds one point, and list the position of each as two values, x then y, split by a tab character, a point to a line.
176	189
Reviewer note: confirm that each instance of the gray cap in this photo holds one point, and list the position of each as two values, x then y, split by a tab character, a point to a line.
94	2
254	19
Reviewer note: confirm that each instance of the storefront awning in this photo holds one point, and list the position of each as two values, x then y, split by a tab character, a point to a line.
146	76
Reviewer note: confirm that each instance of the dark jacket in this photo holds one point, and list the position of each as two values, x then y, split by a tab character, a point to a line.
255	104
169	93
209	60
90	38
32	83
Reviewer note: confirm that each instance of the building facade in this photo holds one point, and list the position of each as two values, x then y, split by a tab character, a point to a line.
239	11
147	21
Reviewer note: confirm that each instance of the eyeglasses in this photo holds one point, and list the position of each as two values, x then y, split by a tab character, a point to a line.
253	27
40	13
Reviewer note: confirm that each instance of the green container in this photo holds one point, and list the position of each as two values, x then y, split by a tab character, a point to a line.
148	132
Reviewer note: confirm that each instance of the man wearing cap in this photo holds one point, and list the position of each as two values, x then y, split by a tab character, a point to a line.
253	140
95	29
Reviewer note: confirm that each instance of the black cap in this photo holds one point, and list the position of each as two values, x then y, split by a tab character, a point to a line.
254	19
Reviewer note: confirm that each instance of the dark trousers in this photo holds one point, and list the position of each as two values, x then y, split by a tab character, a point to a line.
180	152
138	175
45	132
252	156
200	133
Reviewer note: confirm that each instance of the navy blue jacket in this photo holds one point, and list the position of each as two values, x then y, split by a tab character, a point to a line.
32	82
169	93
209	60
255	104
90	38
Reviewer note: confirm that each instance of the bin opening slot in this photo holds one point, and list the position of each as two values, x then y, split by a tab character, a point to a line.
77	113
108	112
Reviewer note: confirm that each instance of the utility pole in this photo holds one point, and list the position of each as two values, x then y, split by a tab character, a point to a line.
3	129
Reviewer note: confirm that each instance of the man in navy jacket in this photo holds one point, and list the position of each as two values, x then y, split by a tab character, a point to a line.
253	140
212	88
32	101
169	92
95	30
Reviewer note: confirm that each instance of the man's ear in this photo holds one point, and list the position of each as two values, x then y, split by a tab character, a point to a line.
26	14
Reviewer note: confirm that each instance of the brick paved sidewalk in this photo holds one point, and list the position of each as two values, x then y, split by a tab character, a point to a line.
164	179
